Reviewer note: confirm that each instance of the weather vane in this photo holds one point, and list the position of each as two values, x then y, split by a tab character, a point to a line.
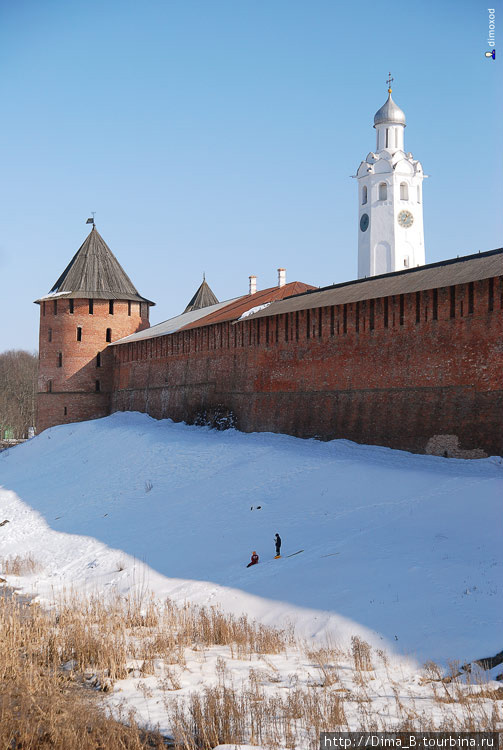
389	82
91	221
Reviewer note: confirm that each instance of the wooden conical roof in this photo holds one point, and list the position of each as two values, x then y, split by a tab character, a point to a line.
95	272
204	297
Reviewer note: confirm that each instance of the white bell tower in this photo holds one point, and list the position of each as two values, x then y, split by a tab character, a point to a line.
390	200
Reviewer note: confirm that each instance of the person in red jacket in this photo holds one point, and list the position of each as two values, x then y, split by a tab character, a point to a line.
254	559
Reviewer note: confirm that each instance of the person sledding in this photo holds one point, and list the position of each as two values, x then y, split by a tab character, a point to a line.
277	542
254	559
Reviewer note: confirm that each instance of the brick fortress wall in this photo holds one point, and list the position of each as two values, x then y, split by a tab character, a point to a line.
419	371
75	376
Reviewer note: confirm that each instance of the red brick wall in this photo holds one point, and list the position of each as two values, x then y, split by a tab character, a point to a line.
73	378
428	381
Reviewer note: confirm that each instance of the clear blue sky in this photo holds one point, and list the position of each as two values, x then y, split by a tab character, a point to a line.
220	136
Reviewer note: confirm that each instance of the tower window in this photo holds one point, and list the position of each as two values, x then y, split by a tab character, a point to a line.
49	386
55	307
406	262
91	307
364	195
453	301
470	297
60	359
418	194
97	386
65	411
110	307
49	334
404	191
383	191
98	359
70	306
387	137
79	333
109	334
43	308
129	307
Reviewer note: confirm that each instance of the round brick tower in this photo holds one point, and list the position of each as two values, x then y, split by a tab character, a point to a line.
91	304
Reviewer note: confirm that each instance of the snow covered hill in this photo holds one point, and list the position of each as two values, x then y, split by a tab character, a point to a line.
402	549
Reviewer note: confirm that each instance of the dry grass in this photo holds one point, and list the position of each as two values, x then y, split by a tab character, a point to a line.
47	657
19	566
43	706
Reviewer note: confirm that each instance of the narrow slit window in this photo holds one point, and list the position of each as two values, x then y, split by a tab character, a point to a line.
98	359
286	326
129	307
452	290
383	191
402	309
308	323
97	386
386	312
418	194
297	325
109	335
60	359
55	307
371	314
91	307
364	195
49	334
418	307
470	297
387	137
43	308
404	191
345	319
490	296
65	411
332	320
70	307
434	311
110	307
79	333
357	315
49	386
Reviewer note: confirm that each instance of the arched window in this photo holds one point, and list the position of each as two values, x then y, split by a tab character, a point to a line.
387	137
404	191
364	195
79	333
418	194
383	191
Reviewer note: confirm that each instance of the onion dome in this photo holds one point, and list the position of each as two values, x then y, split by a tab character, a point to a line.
389	112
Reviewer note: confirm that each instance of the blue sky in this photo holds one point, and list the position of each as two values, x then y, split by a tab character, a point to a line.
221	136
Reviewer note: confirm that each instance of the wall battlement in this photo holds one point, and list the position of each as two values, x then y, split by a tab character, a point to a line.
419	371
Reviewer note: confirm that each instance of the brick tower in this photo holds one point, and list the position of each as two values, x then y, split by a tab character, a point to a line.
91	304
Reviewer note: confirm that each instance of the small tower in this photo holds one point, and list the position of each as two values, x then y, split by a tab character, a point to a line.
390	200
91	304
203	297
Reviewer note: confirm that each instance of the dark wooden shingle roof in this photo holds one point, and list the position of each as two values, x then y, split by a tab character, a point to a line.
435	275
204	297
95	272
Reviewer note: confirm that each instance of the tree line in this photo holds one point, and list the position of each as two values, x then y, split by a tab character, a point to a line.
18	388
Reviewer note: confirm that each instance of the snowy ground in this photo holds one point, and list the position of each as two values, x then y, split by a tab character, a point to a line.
404	550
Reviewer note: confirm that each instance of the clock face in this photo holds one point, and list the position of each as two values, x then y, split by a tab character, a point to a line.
364	222
405	219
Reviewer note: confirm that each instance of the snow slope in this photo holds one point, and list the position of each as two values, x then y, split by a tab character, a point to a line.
405	550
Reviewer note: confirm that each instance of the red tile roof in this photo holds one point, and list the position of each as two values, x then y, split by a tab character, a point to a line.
237	307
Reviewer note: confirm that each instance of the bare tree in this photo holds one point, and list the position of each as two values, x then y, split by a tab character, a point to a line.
18	383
